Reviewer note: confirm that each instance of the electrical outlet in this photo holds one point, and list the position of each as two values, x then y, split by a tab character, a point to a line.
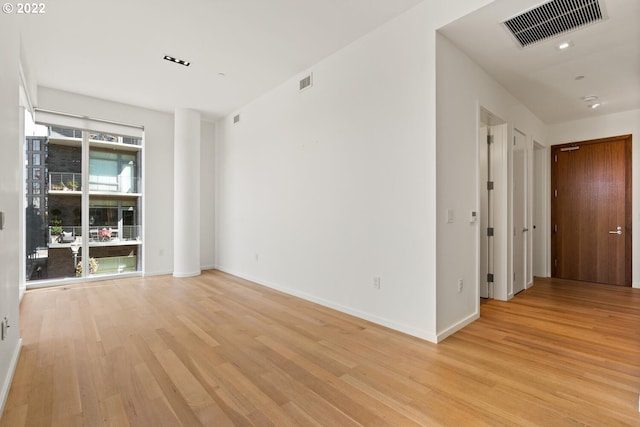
460	285
376	282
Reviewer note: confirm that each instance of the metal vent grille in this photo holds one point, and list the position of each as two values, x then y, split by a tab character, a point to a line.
307	82
552	19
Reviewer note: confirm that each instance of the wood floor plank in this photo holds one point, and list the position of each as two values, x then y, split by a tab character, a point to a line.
219	350
115	414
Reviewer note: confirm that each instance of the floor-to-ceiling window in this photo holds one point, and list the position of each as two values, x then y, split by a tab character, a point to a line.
83	199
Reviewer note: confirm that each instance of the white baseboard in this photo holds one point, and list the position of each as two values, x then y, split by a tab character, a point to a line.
6	384
456	327
409	330
183	274
170	273
157	273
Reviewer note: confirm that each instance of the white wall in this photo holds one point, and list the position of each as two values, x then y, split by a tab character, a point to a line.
462	88
602	127
10	192
157	165
319	192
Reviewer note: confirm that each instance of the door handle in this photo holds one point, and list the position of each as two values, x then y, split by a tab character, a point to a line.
618	231
524	230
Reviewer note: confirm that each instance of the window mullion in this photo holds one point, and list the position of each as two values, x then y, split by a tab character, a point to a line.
85	204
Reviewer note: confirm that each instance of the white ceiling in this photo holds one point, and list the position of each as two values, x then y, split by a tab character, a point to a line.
607	54
113	50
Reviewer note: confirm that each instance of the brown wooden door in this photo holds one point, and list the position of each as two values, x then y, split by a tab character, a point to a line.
591	211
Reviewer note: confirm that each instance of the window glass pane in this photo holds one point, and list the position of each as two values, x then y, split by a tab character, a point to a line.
112	171
103	217
53	222
103	175
109	155
113	260
54	198
102	202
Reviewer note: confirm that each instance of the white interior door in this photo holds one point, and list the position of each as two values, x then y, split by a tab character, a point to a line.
485	212
492	150
520	229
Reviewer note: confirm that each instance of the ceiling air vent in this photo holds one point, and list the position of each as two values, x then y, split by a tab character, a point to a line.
307	82
236	118
552	19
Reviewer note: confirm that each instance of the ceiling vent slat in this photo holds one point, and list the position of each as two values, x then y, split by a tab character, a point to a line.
553	18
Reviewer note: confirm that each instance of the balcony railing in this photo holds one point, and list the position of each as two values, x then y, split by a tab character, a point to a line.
126	140
65	234
61	132
67	181
103	234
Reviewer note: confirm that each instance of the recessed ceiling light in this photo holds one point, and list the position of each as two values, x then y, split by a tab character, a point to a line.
565	45
176	60
594	106
589	98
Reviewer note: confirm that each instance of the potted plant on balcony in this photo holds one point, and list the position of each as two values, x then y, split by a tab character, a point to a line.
55	224
104	235
73	185
93	267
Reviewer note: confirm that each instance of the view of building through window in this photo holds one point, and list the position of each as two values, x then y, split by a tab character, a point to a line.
57	188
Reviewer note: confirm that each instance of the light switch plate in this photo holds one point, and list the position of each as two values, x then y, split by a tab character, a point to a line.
450	216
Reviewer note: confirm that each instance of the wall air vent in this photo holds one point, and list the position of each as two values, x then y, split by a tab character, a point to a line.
307	82
553	18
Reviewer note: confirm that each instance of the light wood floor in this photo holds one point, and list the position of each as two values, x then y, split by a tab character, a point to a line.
216	350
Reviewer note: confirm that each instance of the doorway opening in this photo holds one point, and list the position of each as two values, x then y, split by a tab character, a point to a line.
493	203
540	193
520	192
